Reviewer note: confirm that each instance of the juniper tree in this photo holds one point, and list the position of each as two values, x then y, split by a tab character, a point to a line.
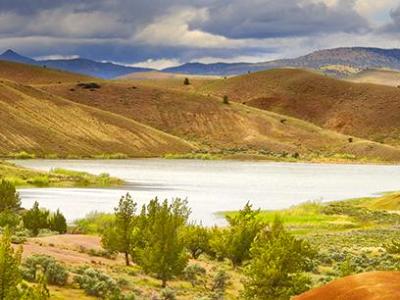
162	252
36	219
277	265
242	230
9	198
57	222
119	236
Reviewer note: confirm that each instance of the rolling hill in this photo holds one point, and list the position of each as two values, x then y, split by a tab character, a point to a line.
69	114
377	76
213	126
366	286
364	110
37	122
29	74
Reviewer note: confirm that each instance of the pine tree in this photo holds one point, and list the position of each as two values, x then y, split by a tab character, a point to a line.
36	219
163	252
119	236
10	276
9	198
57	222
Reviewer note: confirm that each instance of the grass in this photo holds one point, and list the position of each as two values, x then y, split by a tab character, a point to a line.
23	177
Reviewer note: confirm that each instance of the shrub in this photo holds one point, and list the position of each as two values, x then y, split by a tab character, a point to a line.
23	155
54	272
220	281
57	222
9	198
168	294
9	219
89	85
96	283
94	223
40	181
347	267
186	81
225	99
194	273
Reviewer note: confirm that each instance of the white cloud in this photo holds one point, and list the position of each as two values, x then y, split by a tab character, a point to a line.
56	57
158	64
376	10
173	30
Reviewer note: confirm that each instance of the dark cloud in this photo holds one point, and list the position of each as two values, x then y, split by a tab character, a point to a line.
283	18
109	29
394	25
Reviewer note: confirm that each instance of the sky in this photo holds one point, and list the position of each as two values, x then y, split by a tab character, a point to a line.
164	33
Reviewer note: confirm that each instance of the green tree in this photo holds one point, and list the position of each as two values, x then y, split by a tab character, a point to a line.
9	219
243	228
36	219
9	198
10	276
57	222
162	252
119	237
196	239
277	265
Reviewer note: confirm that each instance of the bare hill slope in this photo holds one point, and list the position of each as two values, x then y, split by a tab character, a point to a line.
212	125
40	123
363	110
366	286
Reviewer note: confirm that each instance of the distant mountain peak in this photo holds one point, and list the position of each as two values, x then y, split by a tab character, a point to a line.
11	55
9	51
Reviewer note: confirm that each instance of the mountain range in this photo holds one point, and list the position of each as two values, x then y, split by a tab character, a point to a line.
338	62
106	70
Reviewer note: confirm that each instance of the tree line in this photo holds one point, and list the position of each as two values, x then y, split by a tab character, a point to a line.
161	240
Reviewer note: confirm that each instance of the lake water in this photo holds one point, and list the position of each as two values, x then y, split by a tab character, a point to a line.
212	186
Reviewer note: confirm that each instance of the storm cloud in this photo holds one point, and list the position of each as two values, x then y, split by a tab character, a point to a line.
163	31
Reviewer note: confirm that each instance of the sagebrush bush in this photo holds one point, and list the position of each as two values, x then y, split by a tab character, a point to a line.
55	272
168	294
96	283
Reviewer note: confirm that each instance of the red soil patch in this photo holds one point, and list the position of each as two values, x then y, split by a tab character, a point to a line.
68	248
366	286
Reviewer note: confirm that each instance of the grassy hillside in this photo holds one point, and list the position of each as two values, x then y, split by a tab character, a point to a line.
363	110
214	126
377	76
40	123
29	74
